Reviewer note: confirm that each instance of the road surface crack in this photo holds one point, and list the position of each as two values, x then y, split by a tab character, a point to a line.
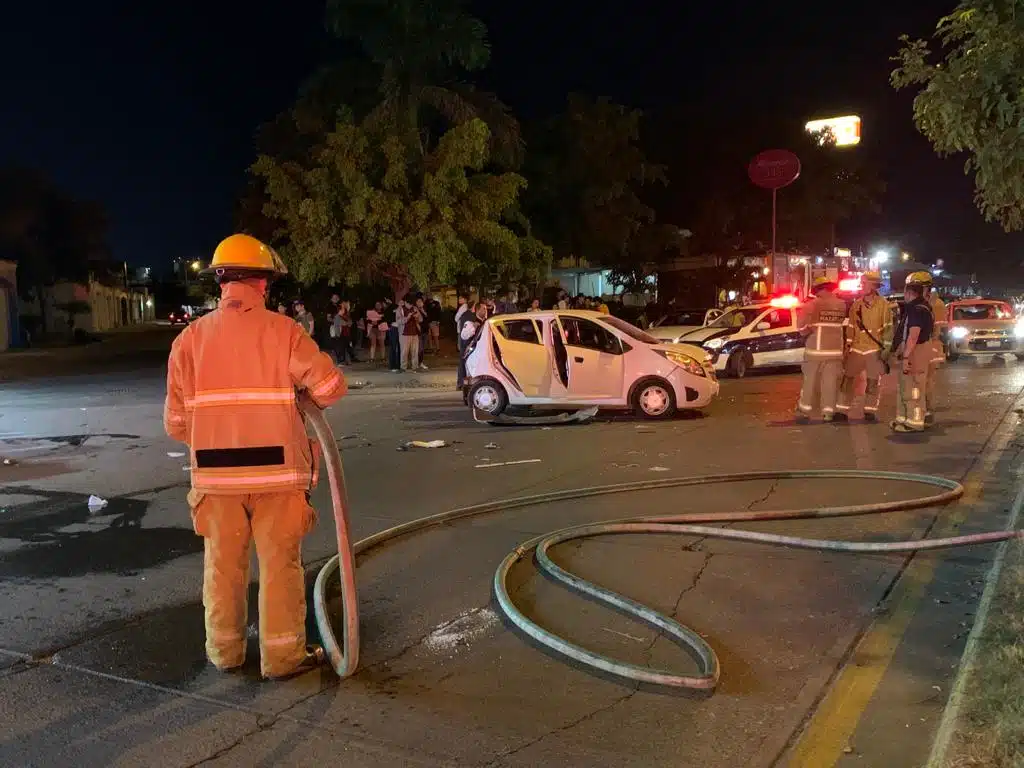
771	491
675	608
236	743
562	728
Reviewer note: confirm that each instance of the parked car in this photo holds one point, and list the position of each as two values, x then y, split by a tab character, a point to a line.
762	335
180	316
671	326
983	327
574	359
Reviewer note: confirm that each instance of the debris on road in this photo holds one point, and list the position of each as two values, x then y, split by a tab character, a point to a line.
96	504
175	454
491	446
422	444
507	463
9	462
471	625
659	469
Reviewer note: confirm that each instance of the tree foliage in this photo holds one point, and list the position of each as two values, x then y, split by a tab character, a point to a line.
969	82
422	49
588	170
364	204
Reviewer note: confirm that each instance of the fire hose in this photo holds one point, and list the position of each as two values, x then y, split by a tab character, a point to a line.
344	656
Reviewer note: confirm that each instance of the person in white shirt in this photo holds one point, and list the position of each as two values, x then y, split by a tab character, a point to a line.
469	324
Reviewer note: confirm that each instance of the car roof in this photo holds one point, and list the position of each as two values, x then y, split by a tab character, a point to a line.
979	301
588	314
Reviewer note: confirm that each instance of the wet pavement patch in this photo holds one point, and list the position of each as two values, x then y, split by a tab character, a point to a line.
72	440
112	541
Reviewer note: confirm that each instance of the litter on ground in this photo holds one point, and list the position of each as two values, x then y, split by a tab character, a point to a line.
96	503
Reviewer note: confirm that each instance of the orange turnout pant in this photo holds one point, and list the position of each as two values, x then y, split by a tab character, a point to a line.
277	522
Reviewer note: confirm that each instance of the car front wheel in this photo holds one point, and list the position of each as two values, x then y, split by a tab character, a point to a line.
739	363
654	399
488	396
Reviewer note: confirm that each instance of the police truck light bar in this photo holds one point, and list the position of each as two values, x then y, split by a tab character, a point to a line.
785	302
850	285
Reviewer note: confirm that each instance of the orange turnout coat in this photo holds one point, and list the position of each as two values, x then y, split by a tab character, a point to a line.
232	382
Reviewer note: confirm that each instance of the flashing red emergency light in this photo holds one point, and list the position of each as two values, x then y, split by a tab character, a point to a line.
785	302
850	285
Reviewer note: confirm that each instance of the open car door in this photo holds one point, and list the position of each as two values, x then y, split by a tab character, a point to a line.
526	357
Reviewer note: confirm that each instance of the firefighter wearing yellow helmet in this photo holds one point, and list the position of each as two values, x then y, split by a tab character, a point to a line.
913	349
821	325
868	337
233	379
938	309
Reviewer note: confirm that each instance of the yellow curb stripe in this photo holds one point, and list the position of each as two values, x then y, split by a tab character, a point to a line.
829	731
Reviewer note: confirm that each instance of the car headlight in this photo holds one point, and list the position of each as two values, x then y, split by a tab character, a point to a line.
714	343
959	332
687	363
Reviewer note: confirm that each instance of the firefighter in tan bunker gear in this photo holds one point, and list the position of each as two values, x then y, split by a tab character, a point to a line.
868	337
233	378
938	308
822	325
914	351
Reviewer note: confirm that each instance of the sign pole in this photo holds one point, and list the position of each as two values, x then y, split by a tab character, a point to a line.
774	169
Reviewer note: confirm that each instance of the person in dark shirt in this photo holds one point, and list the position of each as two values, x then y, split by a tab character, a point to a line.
914	353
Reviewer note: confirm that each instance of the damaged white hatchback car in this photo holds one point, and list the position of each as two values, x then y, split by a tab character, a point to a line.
573	358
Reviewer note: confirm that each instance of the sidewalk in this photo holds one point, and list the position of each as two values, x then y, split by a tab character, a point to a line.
139	345
368	377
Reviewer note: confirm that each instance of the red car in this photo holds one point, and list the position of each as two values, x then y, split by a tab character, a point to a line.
180	317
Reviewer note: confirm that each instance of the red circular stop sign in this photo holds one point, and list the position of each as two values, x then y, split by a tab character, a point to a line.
774	169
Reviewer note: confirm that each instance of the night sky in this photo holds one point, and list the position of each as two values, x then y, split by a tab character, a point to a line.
151	108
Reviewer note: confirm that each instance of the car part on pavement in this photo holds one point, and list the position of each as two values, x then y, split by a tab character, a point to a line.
345	658
544	419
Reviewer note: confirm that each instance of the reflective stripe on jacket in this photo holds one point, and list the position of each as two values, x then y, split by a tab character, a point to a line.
232	378
876	318
822	324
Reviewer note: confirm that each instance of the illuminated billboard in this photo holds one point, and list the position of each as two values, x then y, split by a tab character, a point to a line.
846	129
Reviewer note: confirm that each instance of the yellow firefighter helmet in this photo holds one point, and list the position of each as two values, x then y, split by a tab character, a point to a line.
919	278
823	284
872	277
242	254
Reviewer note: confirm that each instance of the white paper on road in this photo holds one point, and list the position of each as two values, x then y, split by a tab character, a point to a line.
96	503
507	463
175	454
426	444
659	469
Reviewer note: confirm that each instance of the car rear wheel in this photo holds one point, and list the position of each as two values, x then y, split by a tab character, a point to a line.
654	399
489	396
1019	355
952	356
739	363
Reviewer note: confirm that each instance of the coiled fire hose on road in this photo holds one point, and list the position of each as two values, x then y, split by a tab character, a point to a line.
345	656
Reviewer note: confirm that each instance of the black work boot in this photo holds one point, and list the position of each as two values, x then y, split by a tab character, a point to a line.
840	416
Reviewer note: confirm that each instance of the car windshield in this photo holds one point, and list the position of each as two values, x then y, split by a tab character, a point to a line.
982	312
682	317
737	318
630	330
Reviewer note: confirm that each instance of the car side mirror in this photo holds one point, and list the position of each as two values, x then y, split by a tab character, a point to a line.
764	326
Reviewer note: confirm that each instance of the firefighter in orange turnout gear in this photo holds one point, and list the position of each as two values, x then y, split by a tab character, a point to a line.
822	326
232	381
868	337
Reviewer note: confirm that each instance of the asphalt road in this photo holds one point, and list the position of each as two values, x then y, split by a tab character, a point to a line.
101	637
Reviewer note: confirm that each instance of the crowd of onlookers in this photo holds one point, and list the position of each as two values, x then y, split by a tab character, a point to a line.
400	334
